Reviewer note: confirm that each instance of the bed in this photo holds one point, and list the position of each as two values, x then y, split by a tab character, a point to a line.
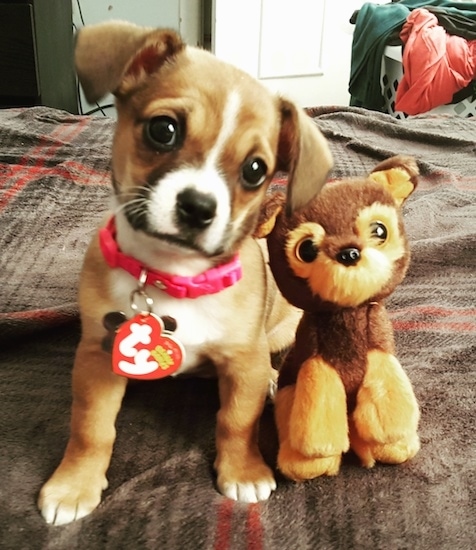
54	187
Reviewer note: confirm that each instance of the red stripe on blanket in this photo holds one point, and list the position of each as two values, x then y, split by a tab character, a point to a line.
75	172
223	528
89	175
254	528
68	131
435	318
435	311
278	180
445	177
434	326
47	316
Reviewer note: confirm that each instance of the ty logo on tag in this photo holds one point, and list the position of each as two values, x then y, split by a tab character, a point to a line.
144	350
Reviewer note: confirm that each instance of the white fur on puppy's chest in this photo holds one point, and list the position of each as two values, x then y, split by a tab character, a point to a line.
200	321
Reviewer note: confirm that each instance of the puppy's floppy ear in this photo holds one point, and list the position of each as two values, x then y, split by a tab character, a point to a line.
114	56
398	175
303	153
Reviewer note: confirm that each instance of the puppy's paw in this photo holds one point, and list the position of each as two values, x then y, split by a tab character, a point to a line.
248	491
251	481
61	503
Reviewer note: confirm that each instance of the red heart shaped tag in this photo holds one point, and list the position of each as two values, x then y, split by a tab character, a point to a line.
142	349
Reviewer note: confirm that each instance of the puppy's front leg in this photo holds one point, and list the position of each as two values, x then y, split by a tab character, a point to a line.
243	383
74	490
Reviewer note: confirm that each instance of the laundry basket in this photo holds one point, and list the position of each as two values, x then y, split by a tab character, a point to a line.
391	74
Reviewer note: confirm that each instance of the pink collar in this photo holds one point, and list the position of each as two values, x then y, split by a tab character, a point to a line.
210	282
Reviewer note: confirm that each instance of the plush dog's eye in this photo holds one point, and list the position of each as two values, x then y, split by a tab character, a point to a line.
162	133
379	231
307	251
253	173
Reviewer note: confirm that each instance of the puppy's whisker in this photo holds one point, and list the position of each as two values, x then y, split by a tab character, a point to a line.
135	200
134	207
135	210
141	190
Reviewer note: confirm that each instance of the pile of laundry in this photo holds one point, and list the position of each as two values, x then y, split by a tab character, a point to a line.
439	53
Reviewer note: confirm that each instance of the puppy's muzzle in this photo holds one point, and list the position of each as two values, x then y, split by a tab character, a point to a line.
194	209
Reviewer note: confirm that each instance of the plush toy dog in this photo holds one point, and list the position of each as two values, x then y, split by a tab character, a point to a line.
338	259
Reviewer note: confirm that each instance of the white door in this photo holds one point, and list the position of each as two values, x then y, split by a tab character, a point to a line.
301	48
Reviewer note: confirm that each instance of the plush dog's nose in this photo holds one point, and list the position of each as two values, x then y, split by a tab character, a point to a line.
195	209
348	256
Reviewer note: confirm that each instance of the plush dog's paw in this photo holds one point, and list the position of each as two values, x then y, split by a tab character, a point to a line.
398	452
390	453
387	410
298	467
248	491
61	503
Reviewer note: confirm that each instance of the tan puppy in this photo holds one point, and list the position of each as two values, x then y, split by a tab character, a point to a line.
196	145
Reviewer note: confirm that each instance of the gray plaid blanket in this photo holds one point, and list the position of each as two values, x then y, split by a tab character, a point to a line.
54	187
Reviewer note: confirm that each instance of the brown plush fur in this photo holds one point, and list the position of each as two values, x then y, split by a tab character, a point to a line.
342	385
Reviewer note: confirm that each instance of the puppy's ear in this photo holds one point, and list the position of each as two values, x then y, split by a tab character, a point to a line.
398	175
114	56
304	154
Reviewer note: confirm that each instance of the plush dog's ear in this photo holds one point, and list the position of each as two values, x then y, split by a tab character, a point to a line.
304	154
115	56
398	175
269	211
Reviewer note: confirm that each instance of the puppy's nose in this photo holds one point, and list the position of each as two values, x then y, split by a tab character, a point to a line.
195	209
348	256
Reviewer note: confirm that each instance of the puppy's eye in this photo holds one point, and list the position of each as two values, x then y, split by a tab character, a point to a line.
253	173
163	133
306	251
378	231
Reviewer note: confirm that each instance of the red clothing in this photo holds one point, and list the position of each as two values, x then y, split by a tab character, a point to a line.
435	64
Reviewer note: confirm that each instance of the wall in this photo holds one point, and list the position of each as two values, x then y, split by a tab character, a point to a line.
303	51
